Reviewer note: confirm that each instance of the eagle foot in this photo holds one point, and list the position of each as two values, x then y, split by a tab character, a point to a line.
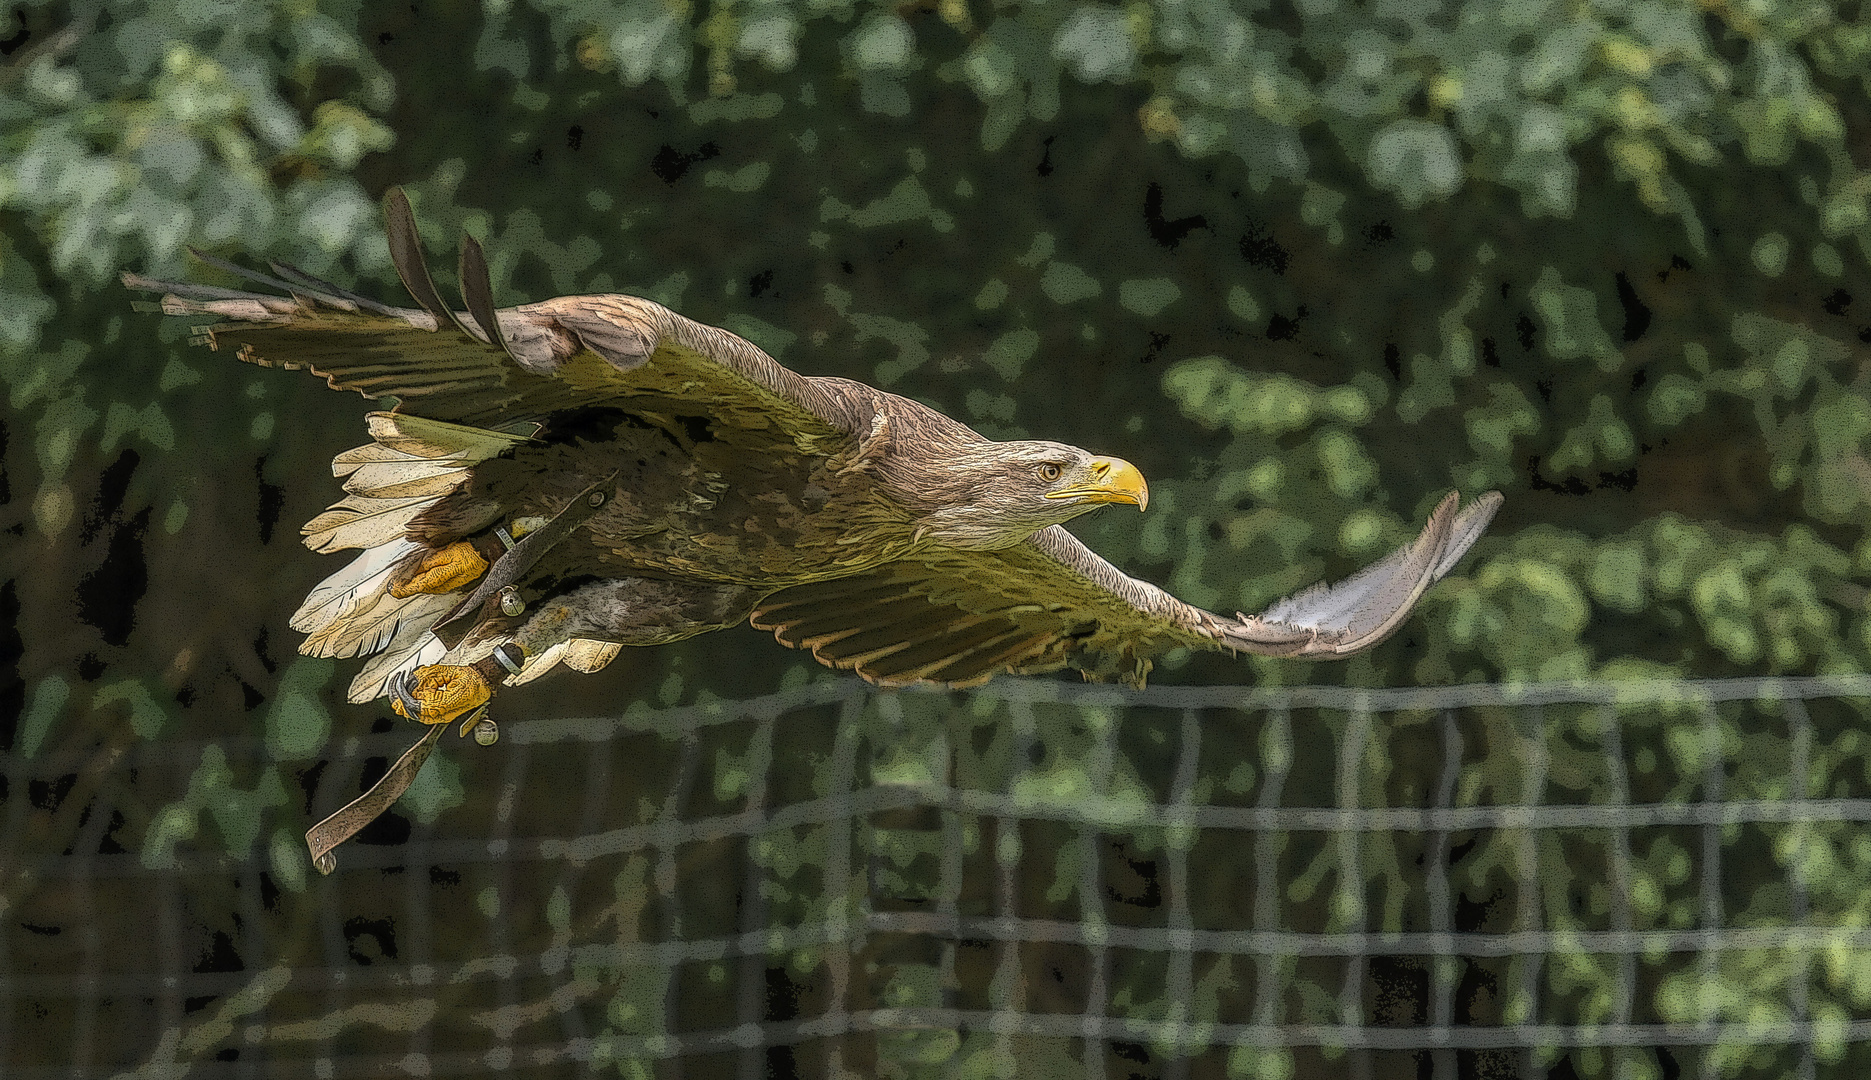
439	693
443	571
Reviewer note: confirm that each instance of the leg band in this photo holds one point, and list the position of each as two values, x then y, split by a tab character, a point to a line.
505	660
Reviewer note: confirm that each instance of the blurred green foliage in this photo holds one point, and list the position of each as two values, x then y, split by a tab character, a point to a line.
1308	263
1615	246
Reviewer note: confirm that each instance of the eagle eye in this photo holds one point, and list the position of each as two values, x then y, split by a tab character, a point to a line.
1049	472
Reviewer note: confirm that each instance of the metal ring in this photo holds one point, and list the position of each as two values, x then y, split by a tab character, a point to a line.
505	661
506	538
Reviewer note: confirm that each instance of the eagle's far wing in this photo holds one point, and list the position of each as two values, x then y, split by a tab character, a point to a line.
563	353
958	618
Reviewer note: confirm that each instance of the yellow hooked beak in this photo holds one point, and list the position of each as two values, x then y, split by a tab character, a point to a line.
1112	480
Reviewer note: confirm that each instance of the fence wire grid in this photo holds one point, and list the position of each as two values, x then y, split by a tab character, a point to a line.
1659	879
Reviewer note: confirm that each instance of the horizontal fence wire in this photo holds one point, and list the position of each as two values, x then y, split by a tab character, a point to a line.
838	880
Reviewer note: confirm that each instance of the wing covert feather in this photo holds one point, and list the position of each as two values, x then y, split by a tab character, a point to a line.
959	617
489	367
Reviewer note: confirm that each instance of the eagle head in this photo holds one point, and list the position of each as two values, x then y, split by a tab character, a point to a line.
996	494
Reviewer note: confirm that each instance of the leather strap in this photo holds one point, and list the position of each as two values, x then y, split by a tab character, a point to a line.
321	838
513	565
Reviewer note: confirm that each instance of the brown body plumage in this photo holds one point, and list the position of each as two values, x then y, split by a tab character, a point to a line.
884	537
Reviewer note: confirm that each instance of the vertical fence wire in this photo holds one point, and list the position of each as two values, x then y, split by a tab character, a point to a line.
1093	920
1349	906
415	934
1618	781
1178	841
572	871
750	994
844	917
1709	913
1270	988
13	769
1530	743
668	841
949	880
1007	993
1800	735
1442	971
500	928
84	1029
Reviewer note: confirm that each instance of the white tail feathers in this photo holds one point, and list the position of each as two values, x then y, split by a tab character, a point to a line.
340	595
412	647
390	474
359	522
374	623
412	463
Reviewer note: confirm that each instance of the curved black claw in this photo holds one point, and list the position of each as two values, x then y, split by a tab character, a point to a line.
399	689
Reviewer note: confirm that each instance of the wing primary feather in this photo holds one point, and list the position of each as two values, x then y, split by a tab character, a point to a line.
859	639
389	483
410	647
357	584
819	592
861	659
477	291
242	272
1468	527
361	521
820	627
292	273
590	656
399	228
978	664
187	290
962	638
1366	608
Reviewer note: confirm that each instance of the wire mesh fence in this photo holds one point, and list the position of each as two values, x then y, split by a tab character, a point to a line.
1648	879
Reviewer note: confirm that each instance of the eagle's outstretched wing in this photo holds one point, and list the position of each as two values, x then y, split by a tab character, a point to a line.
961	617
567	352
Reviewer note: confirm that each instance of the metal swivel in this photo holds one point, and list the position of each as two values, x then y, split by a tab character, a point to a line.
486	732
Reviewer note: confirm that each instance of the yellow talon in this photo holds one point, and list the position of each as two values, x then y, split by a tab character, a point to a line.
444	692
443	571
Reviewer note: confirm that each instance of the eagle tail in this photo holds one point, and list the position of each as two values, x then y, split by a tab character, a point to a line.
340	595
412	463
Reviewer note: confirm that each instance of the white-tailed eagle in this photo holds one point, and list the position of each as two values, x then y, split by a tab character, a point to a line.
562	479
